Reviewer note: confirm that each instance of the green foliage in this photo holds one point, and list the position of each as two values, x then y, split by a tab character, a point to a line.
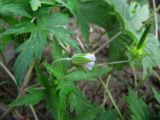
30	49
34	25
88	75
9	7
97	113
138	108
31	98
33	47
152	52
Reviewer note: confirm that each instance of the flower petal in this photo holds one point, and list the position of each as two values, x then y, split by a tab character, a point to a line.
91	57
89	65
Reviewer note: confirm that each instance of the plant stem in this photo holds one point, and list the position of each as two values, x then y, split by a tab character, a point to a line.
156	74
113	63
110	95
8	72
28	75
104	45
61	59
34	112
155	18
135	78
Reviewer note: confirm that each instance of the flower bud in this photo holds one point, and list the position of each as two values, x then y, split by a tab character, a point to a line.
86	60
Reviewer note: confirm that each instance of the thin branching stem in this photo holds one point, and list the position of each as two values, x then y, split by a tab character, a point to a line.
110	95
104	45
113	63
61	59
8	72
34	112
156	75
155	18
28	75
135	78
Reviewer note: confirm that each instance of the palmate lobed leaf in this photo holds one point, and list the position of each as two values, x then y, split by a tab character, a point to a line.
30	49
56	24
34	45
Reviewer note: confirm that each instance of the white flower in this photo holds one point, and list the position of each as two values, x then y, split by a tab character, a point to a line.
89	65
92	58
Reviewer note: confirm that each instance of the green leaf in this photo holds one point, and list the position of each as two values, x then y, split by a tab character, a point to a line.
131	16
67	40
65	88
89	75
152	48
69	4
57	20
31	48
60	67
42	78
9	7
118	47
35	4
55	24
22	27
53	102
57	70
78	102
57	50
33	97
96	14
138	108
97	113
